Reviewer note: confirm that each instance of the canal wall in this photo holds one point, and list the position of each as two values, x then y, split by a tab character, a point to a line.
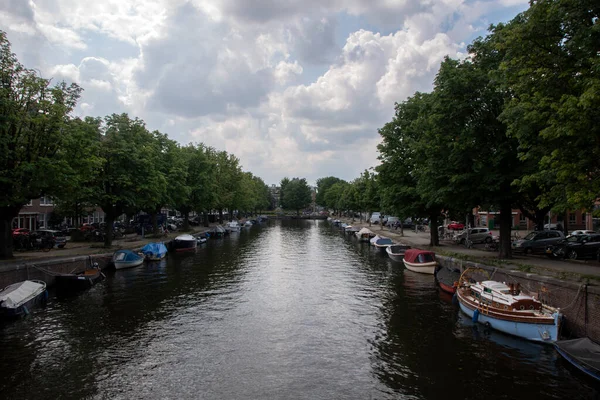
46	270
578	302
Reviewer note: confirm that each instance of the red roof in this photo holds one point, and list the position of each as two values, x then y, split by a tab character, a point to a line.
412	256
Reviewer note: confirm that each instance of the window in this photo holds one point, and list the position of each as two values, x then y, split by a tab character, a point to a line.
583	218
42	220
46	201
572	218
522	217
30	203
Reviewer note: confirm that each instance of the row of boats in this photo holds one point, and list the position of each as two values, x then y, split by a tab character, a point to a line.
498	305
17	299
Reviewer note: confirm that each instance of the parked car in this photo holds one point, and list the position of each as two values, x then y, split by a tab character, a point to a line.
557	227
577	247
59	239
456	226
20	231
392	221
582	232
537	242
476	235
375	217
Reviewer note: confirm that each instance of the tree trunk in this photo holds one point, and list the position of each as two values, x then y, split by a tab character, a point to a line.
221	216
505	228
186	221
154	216
6	243
205	218
108	229
434	238
566	223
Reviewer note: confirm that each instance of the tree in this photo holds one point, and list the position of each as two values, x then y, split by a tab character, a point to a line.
296	194
33	115
334	194
322	185
551	67
228	177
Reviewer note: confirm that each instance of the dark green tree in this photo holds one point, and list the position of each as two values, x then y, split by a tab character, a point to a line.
322	185
33	115
296	194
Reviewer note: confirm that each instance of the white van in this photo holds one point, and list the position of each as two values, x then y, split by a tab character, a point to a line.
375	217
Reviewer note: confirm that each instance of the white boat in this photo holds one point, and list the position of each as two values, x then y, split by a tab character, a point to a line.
183	242
126	259
233	226
365	234
17	299
505	308
418	260
396	251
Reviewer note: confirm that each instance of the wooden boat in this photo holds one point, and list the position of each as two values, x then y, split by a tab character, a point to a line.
382	243
154	251
506	309
583	353
78	281
126	259
17	299
365	234
418	260
447	279
396	251
183	243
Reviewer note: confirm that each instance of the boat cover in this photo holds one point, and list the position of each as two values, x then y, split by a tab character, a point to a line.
19	293
185	238
155	249
365	231
398	248
384	242
416	256
125	256
583	350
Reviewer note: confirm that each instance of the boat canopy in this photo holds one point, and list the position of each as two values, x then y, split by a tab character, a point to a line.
19	293
583	350
383	241
155	249
419	256
365	231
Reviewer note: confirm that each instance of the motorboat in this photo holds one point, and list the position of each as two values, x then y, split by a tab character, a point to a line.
17	299
233	226
418	260
505	308
154	251
182	243
126	259
365	234
382	243
583	353
396	251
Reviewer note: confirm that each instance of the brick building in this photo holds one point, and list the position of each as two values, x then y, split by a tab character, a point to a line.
36	215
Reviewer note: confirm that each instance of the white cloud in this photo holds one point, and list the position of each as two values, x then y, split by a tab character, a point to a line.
285	85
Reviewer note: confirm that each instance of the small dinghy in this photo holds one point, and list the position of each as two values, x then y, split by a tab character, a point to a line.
418	260
17	299
78	281
183	243
126	259
396	251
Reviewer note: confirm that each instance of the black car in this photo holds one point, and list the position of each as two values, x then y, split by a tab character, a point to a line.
577	247
51	236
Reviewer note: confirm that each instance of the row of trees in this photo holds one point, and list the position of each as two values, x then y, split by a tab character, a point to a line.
113	162
514	125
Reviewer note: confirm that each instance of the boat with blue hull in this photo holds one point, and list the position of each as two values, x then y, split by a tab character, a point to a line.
506	309
17	299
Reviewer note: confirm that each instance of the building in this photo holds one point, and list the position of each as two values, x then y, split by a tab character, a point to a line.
576	220
37	213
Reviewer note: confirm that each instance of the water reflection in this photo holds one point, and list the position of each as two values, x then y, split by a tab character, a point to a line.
292	309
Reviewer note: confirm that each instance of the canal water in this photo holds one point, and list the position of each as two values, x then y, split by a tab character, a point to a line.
285	310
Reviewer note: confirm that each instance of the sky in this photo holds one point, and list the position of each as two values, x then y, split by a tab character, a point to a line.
292	88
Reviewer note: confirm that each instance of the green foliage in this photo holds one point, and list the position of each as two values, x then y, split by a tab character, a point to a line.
323	184
296	194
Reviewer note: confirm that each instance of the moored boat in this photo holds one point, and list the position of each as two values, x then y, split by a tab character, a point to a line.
447	279
17	299
154	251
183	243
583	353
126	259
382	243
233	226
396	251
418	260
505	308
78	281
365	234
